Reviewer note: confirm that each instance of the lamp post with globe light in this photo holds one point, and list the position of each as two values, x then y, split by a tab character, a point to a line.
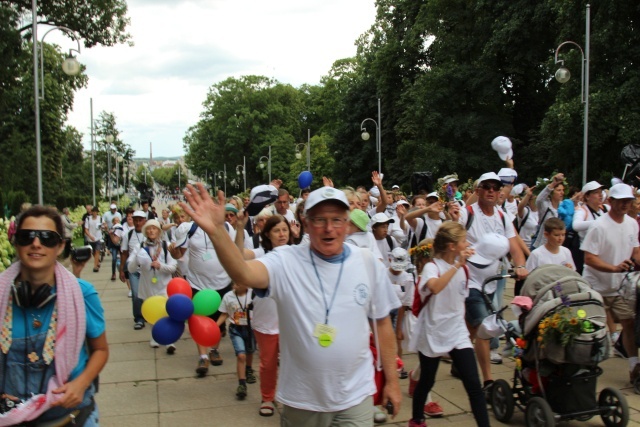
108	141
563	75
268	159
308	149
244	172
70	66
366	136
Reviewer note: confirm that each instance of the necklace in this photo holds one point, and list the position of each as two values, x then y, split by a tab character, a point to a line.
36	322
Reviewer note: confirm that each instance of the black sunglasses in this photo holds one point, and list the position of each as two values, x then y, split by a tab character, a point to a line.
48	238
490	186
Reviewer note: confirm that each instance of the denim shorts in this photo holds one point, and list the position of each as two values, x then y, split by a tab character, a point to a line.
476	307
242	339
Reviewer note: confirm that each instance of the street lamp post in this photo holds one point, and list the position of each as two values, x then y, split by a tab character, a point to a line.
223	175
179	173
118	160
244	175
366	136
268	159
109	140
93	154
307	147
70	67
125	176
563	75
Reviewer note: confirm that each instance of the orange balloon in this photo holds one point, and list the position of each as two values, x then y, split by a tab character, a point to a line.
204	331
178	285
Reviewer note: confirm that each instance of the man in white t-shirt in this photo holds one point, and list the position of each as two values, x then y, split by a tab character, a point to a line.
610	248
325	293
131	243
282	205
481	218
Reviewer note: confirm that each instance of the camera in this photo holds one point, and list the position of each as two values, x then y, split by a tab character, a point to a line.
8	402
81	254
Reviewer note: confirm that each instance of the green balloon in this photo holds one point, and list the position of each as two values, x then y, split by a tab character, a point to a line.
206	302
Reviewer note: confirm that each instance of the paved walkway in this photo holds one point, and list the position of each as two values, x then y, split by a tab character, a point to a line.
144	387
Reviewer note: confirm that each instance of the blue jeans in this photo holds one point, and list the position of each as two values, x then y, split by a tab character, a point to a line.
242	339
114	259
134	280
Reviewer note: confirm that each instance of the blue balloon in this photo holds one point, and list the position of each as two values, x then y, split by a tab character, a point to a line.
305	179
167	331
179	307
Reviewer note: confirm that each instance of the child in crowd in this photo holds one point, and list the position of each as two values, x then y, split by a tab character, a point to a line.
236	305
552	252
441	328
402	282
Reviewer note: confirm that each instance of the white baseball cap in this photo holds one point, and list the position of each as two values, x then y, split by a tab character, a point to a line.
325	194
139	214
113	206
448	179
374	192
489	176
432	194
621	191
381	218
502	145
489	248
402	202
395	187
590	186
507	175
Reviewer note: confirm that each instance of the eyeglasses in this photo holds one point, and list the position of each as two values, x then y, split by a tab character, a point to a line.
230	215
48	238
322	222
488	186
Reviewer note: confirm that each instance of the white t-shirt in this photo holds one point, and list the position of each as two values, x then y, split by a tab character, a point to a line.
483	224
385	249
339	376
441	326
141	261
94	226
542	256
365	239
432	227
528	229
583	218
205	270
612	243
108	218
264	318
403	287
248	241
237	307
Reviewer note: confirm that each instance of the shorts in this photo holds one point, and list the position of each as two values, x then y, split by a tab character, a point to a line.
619	308
242	339
96	246
476	307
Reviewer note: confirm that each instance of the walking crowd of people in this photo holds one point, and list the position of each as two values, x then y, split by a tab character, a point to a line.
330	289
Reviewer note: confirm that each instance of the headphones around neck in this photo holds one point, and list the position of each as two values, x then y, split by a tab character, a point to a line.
25	298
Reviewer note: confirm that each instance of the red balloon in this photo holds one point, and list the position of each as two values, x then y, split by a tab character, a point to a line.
178	285
204	331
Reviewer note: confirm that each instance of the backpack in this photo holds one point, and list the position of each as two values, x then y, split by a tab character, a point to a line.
519	224
471	215
423	234
418	303
256	241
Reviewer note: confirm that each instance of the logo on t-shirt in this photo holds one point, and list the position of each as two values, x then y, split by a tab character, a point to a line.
361	294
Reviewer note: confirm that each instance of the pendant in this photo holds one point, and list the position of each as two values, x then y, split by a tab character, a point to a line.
325	340
154	280
36	323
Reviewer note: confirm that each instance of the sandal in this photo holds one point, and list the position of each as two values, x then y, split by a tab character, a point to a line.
267	409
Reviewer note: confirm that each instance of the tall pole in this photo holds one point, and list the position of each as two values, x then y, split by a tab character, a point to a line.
244	172
225	179
117	181
379	145
309	150
586	95
269	164
36	98
93	160
109	173
215	186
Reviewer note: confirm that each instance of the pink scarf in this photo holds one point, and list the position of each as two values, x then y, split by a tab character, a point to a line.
69	338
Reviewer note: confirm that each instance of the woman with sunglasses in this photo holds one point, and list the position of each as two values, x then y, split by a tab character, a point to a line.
548	202
53	331
264	318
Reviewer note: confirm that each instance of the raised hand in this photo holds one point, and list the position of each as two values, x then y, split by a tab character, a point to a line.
202	208
327	182
376	179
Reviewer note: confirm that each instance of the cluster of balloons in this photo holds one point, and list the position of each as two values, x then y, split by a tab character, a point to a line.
167	315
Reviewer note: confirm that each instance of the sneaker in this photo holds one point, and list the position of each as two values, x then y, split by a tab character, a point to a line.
379	416
635	373
203	366
614	336
495	357
241	392
153	343
412	384
433	410
402	374
214	356
171	349
413	423
251	377
130	294
138	325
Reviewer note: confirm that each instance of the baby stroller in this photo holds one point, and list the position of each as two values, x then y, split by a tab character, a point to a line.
563	339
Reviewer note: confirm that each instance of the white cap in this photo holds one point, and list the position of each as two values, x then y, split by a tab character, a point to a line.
502	145
139	214
113	206
432	194
590	186
325	194
517	189
381	218
399	259
374	192
448	179
621	191
489	248
402	202
507	175
395	187
151	223
489	176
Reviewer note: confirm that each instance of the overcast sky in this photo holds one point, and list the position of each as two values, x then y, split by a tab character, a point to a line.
156	88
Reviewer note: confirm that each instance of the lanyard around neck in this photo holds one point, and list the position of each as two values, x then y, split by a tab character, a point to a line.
327	307
245	301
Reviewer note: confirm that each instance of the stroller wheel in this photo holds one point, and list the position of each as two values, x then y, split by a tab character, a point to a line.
539	413
502	401
615	407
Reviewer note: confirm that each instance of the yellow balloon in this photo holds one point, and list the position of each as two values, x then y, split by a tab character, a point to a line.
154	308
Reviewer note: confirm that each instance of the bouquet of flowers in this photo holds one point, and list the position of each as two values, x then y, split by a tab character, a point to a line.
562	327
423	251
445	191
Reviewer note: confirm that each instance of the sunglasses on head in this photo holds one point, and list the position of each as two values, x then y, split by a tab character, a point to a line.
491	186
47	238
